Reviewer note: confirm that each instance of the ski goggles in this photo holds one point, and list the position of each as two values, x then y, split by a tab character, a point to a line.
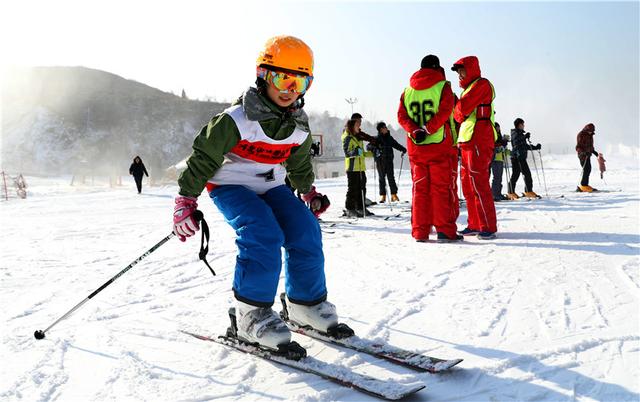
286	82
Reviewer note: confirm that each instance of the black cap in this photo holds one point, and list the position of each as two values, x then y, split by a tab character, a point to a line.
356	116
381	125
430	61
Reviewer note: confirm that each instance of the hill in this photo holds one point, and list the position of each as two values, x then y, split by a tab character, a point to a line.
60	119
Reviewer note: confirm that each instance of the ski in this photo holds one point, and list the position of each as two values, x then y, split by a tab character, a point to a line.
327	224
385	389
381	350
343	336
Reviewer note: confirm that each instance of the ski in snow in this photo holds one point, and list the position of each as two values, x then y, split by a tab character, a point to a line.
385	389
384	351
346	338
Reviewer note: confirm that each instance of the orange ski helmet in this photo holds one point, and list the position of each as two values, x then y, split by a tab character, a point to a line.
287	53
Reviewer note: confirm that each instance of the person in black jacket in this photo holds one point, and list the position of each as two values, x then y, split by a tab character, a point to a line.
520	145
137	169
383	157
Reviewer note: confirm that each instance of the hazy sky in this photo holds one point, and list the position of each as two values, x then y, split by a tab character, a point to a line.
557	65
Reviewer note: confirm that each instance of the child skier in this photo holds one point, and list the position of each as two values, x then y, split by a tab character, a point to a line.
242	157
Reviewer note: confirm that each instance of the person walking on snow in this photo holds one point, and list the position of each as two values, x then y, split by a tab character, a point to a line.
242	156
520	145
354	164
476	138
424	113
137	169
584	148
383	156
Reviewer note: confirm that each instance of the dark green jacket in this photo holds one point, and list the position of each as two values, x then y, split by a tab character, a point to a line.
221	134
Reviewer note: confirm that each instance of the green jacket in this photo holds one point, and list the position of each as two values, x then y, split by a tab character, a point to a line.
221	134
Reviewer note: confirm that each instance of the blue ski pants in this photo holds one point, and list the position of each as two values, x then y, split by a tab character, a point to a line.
264	224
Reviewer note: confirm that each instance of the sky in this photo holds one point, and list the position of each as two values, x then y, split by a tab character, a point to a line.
558	66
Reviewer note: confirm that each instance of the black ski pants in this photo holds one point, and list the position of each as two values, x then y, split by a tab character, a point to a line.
138	180
496	182
586	170
356	185
385	173
520	165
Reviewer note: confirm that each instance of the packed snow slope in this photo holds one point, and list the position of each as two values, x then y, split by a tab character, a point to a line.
548	311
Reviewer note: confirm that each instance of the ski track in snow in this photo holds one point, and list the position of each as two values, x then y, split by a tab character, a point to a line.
548	311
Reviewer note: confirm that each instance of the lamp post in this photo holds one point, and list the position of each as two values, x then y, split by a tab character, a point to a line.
351	101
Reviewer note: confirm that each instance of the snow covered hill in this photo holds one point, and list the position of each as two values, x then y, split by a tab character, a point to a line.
548	311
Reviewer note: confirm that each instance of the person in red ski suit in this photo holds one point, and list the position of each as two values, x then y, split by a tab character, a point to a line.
476	139
424	113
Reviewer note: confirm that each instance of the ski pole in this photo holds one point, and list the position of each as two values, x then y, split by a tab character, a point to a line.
39	334
506	169
400	172
362	188
374	175
533	156
544	178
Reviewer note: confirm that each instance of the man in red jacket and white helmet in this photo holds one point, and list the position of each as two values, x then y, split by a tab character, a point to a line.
476	138
424	112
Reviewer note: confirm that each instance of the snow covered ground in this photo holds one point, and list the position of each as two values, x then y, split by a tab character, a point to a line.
548	311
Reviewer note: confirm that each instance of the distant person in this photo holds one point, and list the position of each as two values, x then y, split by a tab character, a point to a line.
584	148
520	145
497	165
137	169
383	156
424	112
315	149
476	138
361	135
354	154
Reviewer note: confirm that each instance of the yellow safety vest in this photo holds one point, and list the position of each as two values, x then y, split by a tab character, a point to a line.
467	127
422	105
354	163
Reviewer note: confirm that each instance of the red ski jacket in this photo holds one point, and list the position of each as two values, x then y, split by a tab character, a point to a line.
480	94
423	79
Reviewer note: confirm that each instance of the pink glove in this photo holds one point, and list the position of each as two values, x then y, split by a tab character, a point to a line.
184	223
318	203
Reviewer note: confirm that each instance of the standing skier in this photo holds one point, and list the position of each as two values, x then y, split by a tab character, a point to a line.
519	149
497	165
242	157
354	164
424	112
476	138
361	135
584	148
383	155
137	169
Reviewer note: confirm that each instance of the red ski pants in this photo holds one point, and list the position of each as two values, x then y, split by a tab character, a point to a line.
474	176
433	198
455	163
